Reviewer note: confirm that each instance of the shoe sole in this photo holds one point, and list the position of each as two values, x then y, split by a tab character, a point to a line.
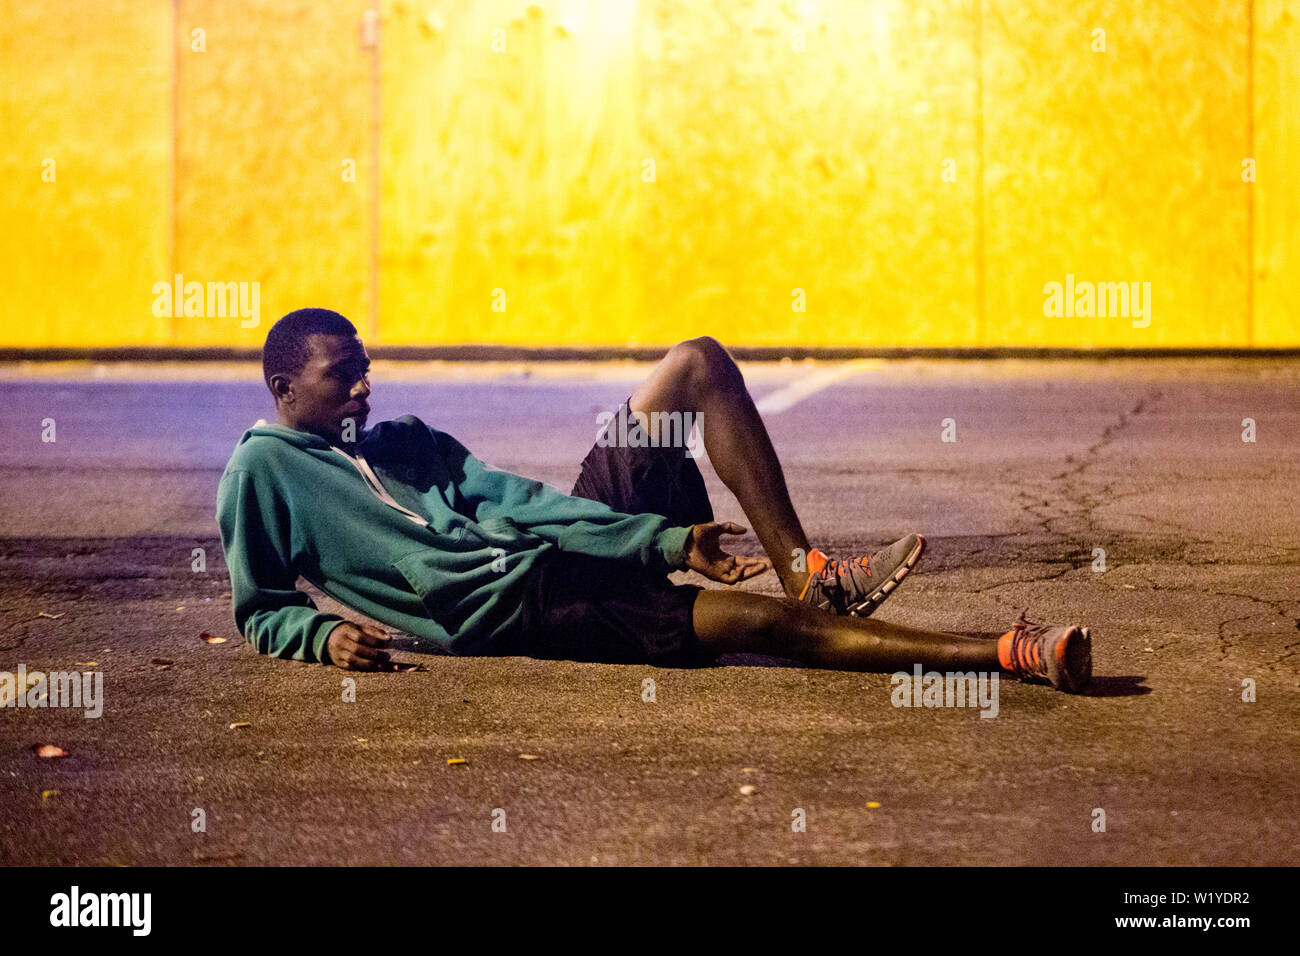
1077	674
866	607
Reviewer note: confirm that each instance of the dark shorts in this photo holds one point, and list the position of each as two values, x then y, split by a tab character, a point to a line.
582	608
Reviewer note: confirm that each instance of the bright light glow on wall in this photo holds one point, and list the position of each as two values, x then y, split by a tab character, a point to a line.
639	171
606	19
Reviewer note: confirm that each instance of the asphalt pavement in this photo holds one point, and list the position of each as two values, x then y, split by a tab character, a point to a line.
1193	606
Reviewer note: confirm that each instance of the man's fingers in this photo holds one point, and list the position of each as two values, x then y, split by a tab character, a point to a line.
735	570
372	638
369	653
361	664
746	568
354	659
353	646
725	527
731	569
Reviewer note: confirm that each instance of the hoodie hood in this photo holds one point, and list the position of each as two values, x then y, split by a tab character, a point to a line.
293	436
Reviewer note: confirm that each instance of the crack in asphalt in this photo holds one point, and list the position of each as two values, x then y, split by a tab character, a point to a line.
1108	435
1034	580
1084	502
1277	607
1224	645
1064	502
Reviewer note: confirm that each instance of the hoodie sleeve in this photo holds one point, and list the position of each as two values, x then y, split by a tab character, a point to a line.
580	525
271	614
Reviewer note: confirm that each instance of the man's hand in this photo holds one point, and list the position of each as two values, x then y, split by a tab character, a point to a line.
357	647
704	554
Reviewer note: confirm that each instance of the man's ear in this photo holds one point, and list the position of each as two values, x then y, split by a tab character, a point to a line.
281	389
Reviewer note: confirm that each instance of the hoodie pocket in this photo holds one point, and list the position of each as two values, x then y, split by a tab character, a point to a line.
449	576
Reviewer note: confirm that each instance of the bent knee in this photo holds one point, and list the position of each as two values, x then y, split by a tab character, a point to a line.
704	360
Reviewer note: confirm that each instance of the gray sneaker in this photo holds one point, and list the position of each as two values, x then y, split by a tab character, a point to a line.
858	586
1060	656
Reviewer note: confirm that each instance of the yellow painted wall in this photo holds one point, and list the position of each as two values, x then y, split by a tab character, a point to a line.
268	115
817	170
1117	166
516	141
84	85
496	181
1277	193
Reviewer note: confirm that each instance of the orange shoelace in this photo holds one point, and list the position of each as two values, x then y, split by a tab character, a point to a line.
827	571
1020	652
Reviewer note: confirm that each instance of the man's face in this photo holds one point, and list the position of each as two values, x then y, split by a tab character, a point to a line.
332	389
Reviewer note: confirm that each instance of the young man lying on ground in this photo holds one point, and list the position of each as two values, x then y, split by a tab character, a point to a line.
401	523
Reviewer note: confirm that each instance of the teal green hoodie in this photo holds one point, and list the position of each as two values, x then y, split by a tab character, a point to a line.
438	544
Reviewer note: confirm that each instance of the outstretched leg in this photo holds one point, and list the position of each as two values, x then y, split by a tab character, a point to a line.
698	376
741	622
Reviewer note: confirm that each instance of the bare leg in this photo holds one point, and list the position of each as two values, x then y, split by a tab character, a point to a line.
739	622
699	376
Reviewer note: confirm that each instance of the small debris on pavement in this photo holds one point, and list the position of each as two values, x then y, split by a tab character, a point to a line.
46	751
52	617
239	724
528	757
452	760
211	638
749	790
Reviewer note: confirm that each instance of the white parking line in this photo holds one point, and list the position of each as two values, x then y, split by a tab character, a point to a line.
794	393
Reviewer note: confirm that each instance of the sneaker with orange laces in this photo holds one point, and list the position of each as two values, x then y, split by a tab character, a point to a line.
1062	656
857	586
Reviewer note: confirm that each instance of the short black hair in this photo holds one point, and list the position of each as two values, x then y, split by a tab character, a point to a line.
285	351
